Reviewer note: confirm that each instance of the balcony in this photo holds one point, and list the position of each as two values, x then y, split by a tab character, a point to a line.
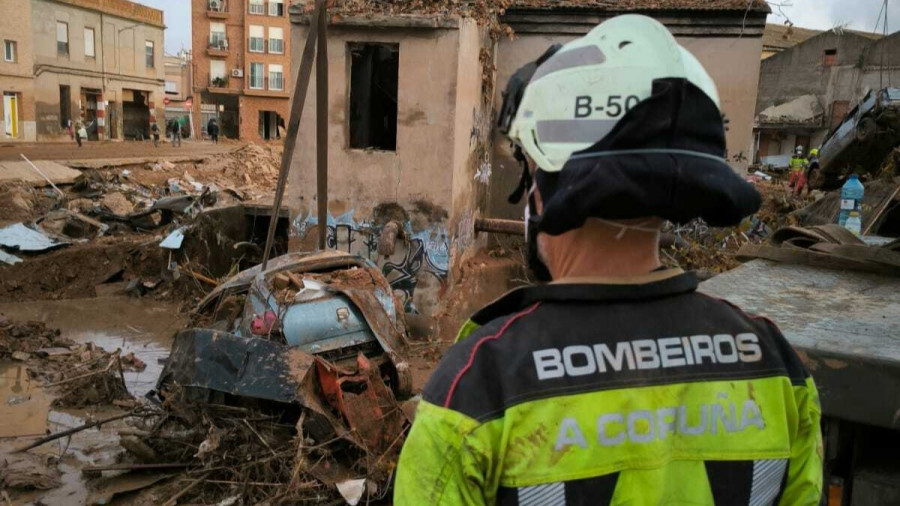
217	9
220	85
218	46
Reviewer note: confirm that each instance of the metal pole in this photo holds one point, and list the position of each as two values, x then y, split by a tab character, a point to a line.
498	226
322	126
300	87
33	166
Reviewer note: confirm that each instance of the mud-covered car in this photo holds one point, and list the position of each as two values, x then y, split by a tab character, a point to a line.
259	334
862	140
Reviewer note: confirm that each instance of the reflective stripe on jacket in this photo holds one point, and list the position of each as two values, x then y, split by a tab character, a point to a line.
639	394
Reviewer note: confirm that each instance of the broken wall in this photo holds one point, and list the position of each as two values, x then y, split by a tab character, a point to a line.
802	70
409	210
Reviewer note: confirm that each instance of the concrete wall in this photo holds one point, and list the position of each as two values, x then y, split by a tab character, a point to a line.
472	147
732	62
118	64
17	77
801	70
178	72
881	65
734	65
422	184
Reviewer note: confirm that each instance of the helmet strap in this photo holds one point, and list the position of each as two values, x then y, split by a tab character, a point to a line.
532	226
524	181
625	228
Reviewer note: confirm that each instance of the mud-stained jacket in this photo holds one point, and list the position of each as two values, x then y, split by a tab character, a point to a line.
645	393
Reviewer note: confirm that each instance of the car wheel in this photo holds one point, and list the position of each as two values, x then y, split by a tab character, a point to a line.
866	129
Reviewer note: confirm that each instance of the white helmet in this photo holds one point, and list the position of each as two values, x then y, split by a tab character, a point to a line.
798	150
578	95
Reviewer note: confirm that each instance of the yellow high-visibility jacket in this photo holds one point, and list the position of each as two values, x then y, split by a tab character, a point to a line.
628	394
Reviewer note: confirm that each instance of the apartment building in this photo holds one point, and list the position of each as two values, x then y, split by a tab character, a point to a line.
241	60
98	62
179	89
16	78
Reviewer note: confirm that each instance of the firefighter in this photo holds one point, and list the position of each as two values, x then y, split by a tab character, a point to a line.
797	165
812	165
616	382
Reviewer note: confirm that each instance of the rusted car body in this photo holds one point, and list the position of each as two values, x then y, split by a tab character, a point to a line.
862	140
255	338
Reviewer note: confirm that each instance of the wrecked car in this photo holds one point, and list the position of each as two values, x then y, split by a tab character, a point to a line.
862	140
269	335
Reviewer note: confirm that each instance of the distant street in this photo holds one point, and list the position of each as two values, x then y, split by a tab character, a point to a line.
110	150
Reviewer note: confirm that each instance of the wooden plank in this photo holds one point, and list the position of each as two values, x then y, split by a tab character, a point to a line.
301	85
799	256
382	21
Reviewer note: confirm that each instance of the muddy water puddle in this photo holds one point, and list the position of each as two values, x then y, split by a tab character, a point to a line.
142	326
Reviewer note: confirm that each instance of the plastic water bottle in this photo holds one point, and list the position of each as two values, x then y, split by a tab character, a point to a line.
854	224
851	198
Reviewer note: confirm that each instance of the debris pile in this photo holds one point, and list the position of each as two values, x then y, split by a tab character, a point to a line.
340	443
27	471
119	228
712	250
78	374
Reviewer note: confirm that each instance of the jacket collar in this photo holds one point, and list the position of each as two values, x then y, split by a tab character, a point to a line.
655	285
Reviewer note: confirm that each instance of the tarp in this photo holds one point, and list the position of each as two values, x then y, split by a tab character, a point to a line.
21	238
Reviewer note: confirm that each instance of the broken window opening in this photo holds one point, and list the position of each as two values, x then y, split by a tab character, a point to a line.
374	72
830	57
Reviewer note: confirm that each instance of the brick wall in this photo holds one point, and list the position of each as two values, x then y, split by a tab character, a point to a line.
250	109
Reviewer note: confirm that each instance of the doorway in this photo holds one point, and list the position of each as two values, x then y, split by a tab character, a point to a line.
112	120
11	115
270	125
136	115
91	98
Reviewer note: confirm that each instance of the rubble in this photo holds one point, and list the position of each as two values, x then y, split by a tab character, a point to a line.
711	250
78	374
805	109
27	471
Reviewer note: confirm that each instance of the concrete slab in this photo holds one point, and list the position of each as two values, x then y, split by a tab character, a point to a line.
59	174
845	326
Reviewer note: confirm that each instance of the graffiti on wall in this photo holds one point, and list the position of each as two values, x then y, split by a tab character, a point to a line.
405	253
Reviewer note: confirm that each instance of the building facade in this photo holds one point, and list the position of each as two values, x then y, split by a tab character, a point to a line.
241	63
16	73
99	62
179	90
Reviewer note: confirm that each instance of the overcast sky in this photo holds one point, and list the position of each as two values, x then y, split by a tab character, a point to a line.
824	14
178	22
821	14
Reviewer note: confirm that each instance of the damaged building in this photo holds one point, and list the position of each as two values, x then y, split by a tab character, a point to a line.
413	93
806	90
